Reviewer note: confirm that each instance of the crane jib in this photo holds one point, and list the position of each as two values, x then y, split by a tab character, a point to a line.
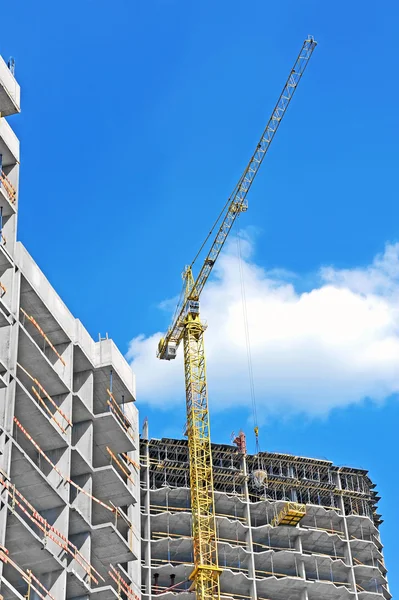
237	202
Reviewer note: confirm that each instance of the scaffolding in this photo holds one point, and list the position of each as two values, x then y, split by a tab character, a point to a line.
290	514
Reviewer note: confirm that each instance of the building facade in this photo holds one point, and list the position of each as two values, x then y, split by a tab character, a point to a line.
69	472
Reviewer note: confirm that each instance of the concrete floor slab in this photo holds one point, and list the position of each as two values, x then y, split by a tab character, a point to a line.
109	487
108	546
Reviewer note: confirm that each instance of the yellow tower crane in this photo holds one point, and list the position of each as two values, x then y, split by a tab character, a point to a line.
188	327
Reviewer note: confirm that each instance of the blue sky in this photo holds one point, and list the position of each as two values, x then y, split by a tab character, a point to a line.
138	118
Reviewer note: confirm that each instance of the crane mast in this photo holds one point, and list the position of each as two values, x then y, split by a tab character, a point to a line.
187	327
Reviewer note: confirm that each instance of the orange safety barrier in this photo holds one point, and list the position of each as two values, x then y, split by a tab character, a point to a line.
131	461
46	408
49	398
120	465
40	330
123	420
56	469
26	576
122	585
3	289
44	526
8	186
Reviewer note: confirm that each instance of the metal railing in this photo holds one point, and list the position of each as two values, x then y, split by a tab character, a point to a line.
8	186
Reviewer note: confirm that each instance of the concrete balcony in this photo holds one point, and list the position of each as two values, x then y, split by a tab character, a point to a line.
171	499
109	487
230	506
109	432
178	551
109	546
7	196
318	517
44	429
10	92
234	558
370	579
29	549
277	563
363	528
37	488
107	357
6	262
237	585
170	524
322	542
40	300
267	538
324	568
78	588
293	587
366	552
51	375
111	539
9	144
362	595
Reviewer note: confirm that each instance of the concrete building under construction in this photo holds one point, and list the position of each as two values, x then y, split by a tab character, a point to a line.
334	550
88	510
69	510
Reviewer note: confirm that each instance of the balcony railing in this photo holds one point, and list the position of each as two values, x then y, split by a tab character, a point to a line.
120	416
9	188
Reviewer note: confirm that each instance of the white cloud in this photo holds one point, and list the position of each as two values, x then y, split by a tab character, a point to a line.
331	346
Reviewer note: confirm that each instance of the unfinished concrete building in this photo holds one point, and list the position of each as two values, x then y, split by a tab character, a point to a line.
69	474
334	550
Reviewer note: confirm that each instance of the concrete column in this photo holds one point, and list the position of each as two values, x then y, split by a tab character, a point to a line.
300	561
348	550
147	517
9	354
134	512
250	547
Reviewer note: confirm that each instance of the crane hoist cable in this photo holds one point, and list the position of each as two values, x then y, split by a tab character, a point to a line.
248	343
187	327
